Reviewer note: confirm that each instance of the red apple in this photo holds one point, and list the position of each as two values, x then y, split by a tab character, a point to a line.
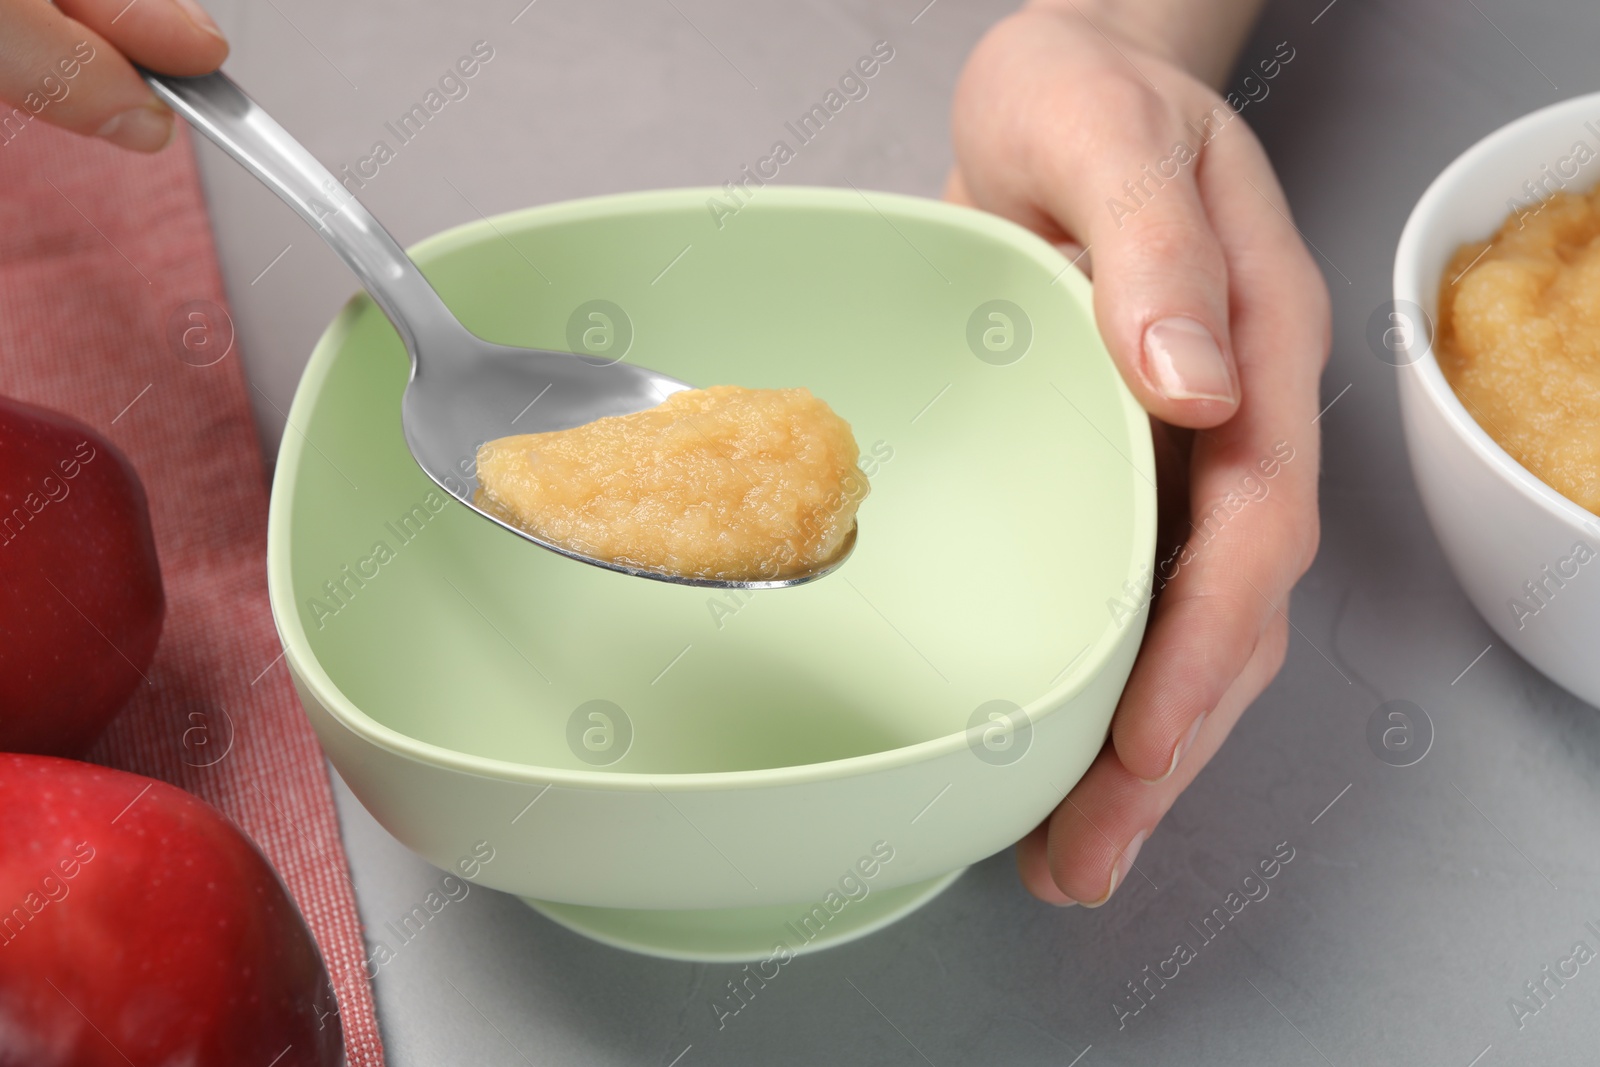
80	588
138	925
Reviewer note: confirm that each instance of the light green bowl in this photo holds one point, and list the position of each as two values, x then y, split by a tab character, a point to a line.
932	700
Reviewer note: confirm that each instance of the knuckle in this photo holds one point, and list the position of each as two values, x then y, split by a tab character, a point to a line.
1172	237
1220	623
1109	122
1273	647
1134	112
1302	532
1309	540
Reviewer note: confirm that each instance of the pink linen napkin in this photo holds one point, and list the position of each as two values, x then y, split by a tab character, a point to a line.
112	310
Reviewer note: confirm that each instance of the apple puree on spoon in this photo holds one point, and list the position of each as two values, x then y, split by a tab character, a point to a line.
726	483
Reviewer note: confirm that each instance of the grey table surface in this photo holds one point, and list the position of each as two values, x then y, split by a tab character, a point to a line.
1420	899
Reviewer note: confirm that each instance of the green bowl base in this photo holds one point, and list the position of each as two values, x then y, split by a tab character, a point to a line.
740	935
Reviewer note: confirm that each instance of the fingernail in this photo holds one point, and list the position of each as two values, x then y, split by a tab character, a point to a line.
1124	865
199	17
1184	362
1178	750
147	128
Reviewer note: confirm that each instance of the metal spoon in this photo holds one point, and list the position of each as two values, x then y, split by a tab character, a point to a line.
458	380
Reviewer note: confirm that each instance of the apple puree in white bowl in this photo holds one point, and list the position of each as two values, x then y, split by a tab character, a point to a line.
1500	400
1519	340
725	483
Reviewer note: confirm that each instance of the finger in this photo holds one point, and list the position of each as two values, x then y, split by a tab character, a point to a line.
55	70
1116	169
1252	515
956	191
65	73
1035	871
1092	840
1161	298
168	36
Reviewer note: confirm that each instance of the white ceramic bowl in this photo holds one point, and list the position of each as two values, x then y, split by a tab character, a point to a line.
1510	538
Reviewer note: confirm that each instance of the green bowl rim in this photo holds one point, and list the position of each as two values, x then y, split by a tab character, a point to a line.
303	661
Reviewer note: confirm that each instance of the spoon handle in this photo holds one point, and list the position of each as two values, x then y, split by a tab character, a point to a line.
218	108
